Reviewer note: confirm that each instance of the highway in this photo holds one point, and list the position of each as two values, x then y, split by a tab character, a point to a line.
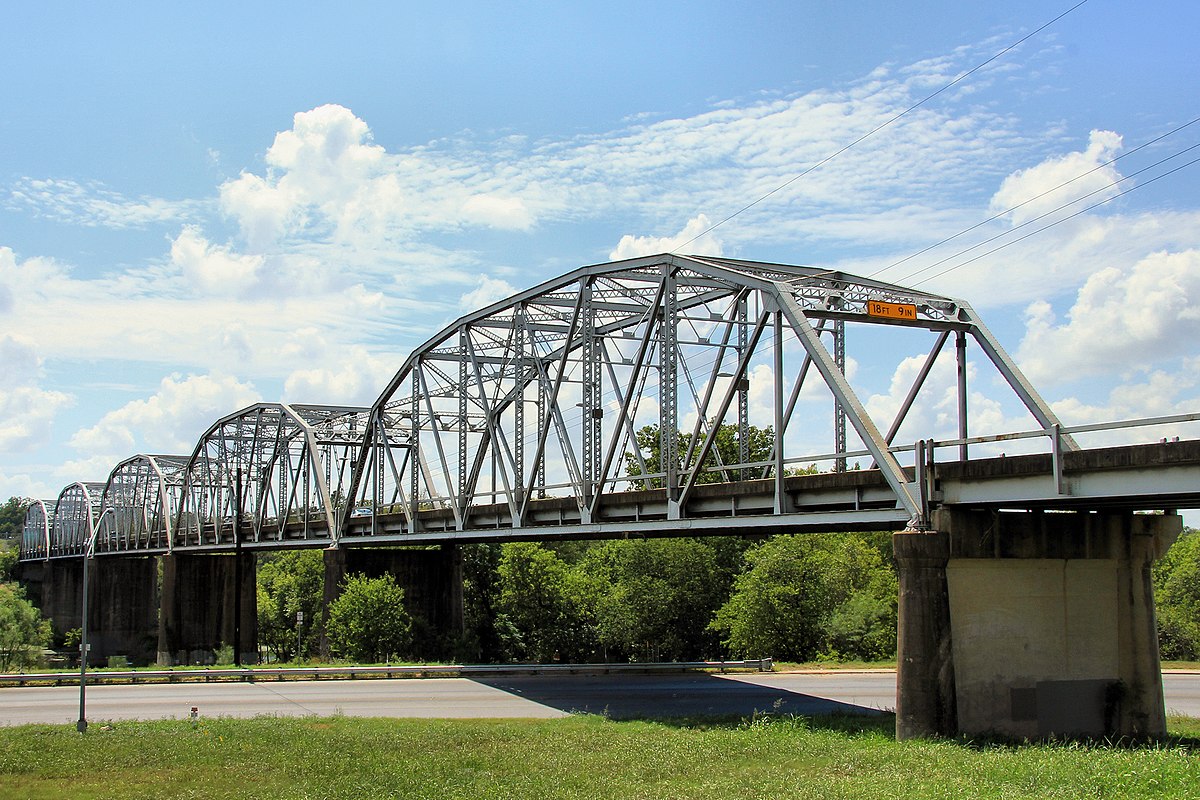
618	696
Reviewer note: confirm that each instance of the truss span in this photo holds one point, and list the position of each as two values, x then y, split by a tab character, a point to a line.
278	470
139	504
624	376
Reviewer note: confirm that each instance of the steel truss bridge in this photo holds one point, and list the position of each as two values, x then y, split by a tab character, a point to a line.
626	399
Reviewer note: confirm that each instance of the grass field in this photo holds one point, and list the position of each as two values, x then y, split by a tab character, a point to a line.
578	757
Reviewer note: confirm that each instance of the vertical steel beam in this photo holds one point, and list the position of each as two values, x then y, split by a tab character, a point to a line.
592	412
839	413
668	390
743	392
960	346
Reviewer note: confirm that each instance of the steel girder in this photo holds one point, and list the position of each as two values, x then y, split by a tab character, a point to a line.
279	470
140	502
35	537
542	394
76	513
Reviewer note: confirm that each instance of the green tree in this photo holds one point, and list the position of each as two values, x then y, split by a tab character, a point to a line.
9	555
23	632
289	582
726	448
1177	599
368	621
12	518
543	613
654	598
802	597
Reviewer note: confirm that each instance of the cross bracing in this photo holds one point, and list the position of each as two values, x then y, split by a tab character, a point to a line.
601	403
139	504
277	471
542	395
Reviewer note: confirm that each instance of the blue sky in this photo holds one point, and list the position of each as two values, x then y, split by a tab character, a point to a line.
202	208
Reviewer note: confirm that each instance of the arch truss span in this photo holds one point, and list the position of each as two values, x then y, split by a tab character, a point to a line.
76	513
35	536
281	470
140	502
616	392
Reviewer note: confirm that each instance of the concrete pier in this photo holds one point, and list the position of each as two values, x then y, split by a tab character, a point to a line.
199	608
1030	624
122	602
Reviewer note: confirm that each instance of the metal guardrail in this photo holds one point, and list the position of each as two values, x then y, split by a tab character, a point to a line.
251	674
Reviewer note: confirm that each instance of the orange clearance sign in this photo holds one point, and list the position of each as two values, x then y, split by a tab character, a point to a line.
878	308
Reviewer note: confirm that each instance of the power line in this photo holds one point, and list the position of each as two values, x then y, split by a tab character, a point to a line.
1064	219
1011	209
880	127
1043	215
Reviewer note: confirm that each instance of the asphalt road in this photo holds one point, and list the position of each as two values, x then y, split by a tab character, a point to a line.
618	696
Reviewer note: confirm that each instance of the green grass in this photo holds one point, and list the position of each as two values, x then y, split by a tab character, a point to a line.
578	757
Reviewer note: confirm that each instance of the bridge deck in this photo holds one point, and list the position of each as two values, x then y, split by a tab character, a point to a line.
1158	476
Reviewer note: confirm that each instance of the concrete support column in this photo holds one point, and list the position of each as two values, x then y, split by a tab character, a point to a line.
925	694
1047	618
198	602
62	594
123	608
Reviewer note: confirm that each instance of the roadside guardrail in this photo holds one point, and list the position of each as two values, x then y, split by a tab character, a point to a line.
354	672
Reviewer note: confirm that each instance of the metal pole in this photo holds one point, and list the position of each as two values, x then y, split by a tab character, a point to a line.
299	637
237	568
81	725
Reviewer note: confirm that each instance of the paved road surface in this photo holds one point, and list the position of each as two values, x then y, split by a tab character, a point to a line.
619	696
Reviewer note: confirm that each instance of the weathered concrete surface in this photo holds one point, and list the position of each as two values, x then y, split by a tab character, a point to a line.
199	604
123	609
1051	624
925	684
432	580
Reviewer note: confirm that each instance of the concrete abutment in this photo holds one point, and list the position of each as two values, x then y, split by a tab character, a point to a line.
1030	624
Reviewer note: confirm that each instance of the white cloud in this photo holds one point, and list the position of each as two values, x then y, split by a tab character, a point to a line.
355	377
1035	191
693	240
486	292
169	421
26	410
93	205
506	213
1138	317
212	269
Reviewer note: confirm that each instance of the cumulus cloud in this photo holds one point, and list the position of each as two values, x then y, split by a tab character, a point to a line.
693	239
325	164
169	421
1138	316
210	268
26	410
1058	180
486	292
355	377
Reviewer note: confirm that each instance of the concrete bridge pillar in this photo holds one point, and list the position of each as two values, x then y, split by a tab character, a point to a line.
432	579
61	599
122	602
199	607
1030	624
123	608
